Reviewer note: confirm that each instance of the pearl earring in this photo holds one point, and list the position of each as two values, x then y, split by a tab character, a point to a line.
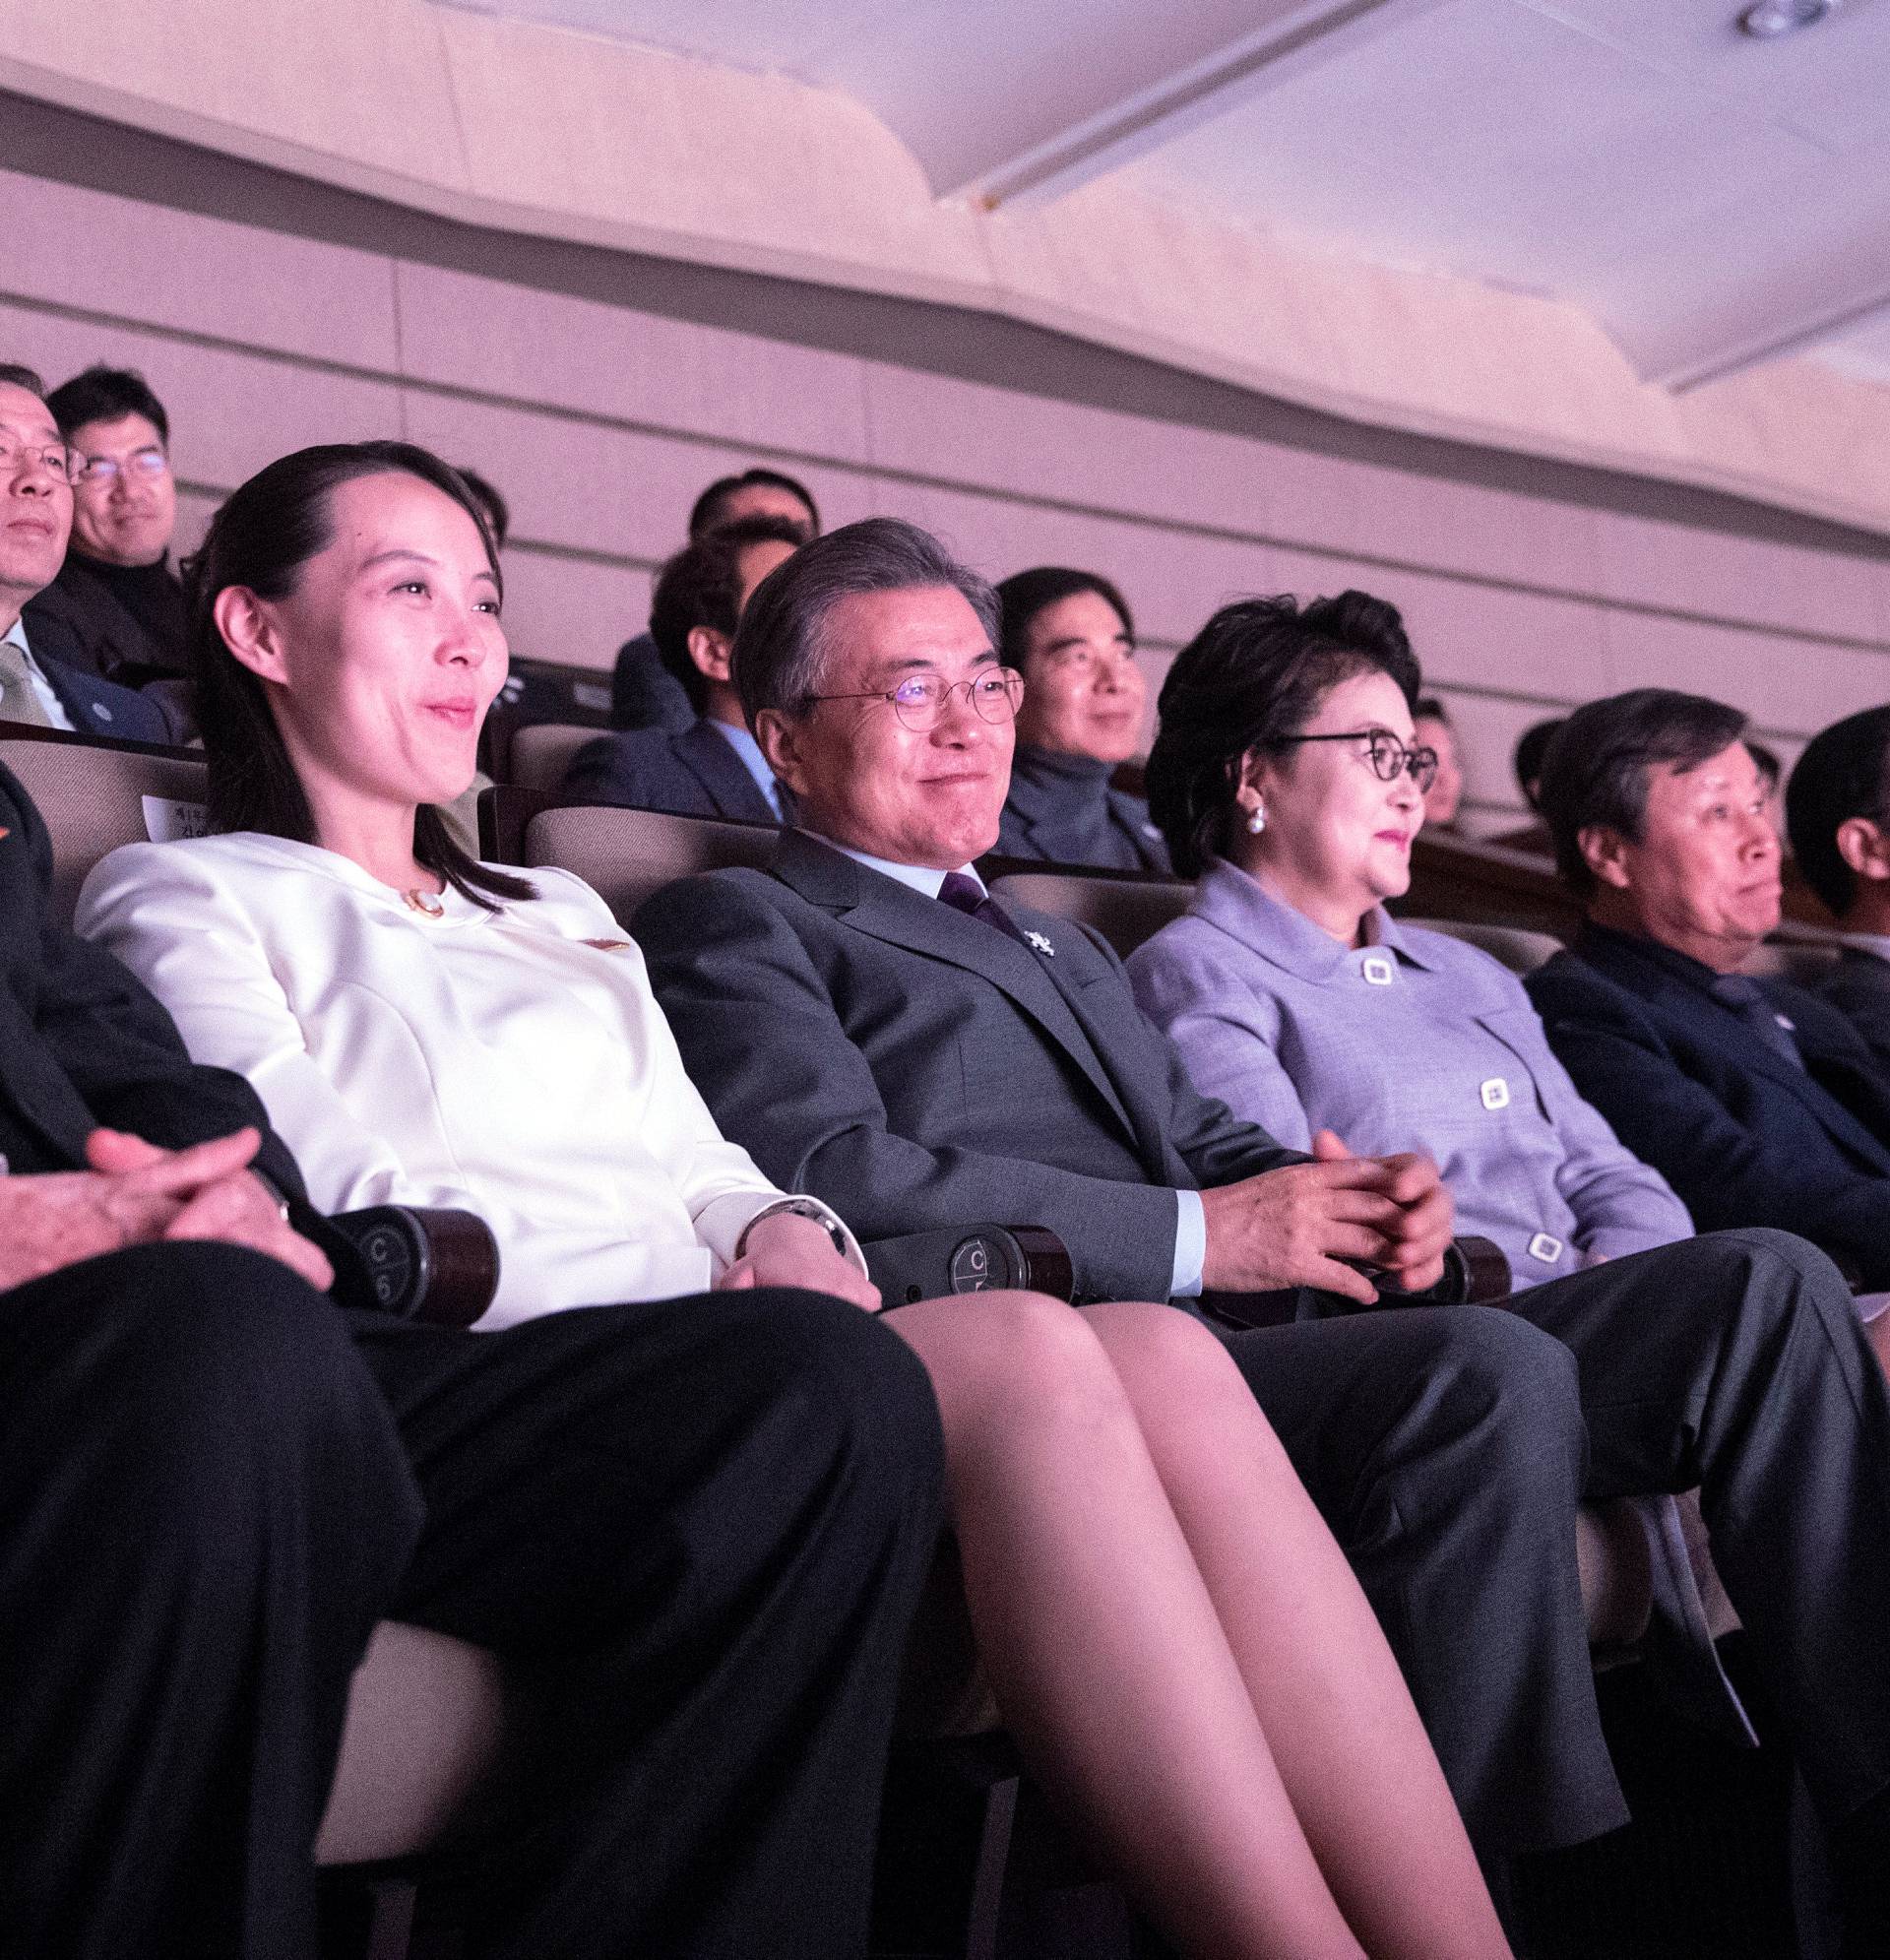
1256	821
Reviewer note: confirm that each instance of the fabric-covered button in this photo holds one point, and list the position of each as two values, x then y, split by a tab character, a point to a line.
1495	1093
1376	970
1546	1247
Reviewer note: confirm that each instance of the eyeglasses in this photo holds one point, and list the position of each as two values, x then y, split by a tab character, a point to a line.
1388	756
103	471
920	702
53	457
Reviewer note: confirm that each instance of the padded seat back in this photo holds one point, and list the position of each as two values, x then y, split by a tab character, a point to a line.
537	757
1802	962
626	855
94	799
1125	911
1513	946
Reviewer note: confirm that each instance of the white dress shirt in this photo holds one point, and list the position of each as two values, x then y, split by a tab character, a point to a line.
511	1063
49	702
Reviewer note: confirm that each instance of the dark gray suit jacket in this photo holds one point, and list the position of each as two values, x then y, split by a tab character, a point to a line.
918	1068
695	774
1859	989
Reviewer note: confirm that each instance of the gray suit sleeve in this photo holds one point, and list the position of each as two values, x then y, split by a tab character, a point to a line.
761	1039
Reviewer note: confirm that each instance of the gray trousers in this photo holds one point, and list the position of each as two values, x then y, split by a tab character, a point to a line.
1448	1448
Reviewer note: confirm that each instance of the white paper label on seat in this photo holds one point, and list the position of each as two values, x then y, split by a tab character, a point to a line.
1546	1248
1376	970
1495	1093
166	820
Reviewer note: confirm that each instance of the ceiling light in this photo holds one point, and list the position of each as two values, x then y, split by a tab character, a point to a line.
1768	18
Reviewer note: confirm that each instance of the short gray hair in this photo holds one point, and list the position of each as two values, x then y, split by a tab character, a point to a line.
782	651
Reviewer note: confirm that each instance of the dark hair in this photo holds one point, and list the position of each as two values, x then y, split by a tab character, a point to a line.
498	513
780	649
263	536
1429	708
701	586
105	394
14	376
1024	594
1532	745
1254	675
1844	773
706	513
1594	774
1769	765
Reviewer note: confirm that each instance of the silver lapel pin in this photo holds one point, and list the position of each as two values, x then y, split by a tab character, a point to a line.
1042	944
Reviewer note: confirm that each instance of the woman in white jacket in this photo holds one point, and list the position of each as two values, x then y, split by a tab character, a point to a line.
1173	1636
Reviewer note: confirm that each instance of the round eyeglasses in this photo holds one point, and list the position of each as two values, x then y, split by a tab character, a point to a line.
920	702
103	471
54	458
1388	756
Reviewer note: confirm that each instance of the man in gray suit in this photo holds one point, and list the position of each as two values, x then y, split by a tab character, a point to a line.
713	767
876	1030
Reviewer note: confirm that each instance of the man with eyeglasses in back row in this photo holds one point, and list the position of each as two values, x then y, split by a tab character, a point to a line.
41	683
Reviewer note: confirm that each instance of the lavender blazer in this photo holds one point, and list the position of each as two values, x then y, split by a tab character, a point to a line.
1416	1041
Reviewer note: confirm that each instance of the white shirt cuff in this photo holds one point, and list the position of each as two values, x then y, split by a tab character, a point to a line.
1191	1245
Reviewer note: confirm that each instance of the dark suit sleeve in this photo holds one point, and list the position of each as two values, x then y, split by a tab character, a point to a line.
1727	1174
118	1047
595	775
763	1042
1860	990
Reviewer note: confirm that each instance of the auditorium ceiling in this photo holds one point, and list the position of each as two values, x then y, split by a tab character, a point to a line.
1713	200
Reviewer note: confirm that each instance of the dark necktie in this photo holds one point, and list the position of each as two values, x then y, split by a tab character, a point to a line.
967	896
1746	998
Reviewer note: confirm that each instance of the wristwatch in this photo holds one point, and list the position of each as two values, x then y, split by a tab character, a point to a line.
796	1208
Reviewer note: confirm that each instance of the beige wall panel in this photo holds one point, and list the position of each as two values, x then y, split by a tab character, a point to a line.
229	412
572	610
1783	684
1687	570
488	336
86	249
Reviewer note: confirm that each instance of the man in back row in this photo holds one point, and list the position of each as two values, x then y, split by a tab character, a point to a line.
713	767
934	1058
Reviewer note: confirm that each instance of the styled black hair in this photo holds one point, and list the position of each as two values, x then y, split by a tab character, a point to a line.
1429	708
1254	675
263	536
706	511
780	646
1024	594
1532	745
498	513
1594	774
701	586
103	395
1844	773
14	376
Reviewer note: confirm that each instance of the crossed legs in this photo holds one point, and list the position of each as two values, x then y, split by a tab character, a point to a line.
1178	1644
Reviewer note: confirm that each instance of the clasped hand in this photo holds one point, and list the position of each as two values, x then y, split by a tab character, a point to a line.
1298	1227
135	1195
789	1250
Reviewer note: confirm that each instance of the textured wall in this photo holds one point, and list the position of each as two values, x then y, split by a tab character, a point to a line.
599	422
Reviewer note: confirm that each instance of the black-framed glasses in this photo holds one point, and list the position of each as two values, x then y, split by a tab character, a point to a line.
919	702
1388	756
52	456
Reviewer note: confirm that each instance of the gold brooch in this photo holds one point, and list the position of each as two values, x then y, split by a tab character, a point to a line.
423	902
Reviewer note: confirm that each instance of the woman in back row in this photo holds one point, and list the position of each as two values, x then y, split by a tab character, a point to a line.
1173	1635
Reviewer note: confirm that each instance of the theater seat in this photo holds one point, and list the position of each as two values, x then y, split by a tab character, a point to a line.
1513	946
1125	911
627	855
538	756
1802	962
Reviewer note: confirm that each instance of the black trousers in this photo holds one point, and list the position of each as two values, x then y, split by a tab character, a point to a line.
695	1528
1449	1447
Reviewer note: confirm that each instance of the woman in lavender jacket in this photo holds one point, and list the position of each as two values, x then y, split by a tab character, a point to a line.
1285	776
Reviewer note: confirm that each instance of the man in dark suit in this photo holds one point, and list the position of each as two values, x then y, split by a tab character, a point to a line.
1758	1102
697	1527
644	693
713	767
35	522
1838	812
877	1029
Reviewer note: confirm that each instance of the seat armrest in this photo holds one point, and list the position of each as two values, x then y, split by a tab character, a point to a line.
966	1259
1476	1273
415	1263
